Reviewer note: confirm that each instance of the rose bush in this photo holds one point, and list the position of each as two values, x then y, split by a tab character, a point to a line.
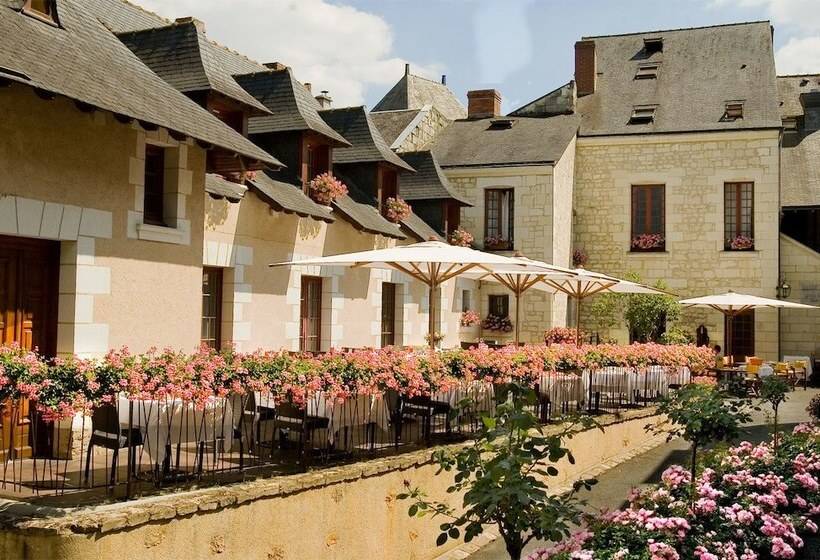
62	387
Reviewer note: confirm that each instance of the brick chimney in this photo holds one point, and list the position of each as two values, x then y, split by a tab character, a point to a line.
324	99
585	67
483	103
308	86
199	24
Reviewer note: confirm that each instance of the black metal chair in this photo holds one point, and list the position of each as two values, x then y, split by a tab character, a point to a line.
106	432
291	417
420	408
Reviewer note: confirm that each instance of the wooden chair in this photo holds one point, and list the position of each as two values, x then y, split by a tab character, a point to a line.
106	432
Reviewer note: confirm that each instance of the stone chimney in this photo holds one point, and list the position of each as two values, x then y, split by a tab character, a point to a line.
199	24
406	69
324	99
444	79
308	86
483	103
275	65
586	72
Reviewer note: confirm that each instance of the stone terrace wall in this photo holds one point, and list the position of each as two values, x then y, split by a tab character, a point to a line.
694	168
800	329
339	513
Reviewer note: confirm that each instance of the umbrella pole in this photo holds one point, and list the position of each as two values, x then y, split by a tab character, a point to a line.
431	328
517	316
578	322
729	349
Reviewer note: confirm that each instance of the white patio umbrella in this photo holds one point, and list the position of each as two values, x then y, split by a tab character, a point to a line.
430	262
519	279
586	283
731	304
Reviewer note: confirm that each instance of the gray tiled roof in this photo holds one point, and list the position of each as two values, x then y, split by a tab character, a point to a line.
414	92
475	143
700	70
429	181
182	56
800	156
288	198
419	228
84	61
360	209
219	187
354	124
120	15
291	105
392	123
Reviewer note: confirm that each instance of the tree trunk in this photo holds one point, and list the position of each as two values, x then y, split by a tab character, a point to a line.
694	470
514	548
775	430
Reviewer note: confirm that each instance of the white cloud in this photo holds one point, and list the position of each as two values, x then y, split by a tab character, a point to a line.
802	14
335	47
799	56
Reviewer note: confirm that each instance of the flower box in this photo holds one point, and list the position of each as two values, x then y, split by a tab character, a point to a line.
740	243
648	242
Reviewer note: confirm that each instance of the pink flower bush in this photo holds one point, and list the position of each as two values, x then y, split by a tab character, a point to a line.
560	335
326	188
461	238
579	258
62	387
647	241
749	503
469	318
498	324
396	209
741	243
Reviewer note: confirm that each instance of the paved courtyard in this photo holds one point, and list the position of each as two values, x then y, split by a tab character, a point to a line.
614	485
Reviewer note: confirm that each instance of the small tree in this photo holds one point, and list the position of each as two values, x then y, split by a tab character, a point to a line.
701	415
773	391
503	475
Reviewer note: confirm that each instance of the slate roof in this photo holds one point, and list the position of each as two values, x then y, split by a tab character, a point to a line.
800	153
291	105
529	141
84	61
120	15
368	145
288	198
360	209
414	92
219	187
429	181
182	56
700	70
419	228
392	123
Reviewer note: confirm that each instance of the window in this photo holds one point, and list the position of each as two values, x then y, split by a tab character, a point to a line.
734	111
466	300
388	187
643	114
211	307
499	213
41	9
310	313
647	71
499	305
742	335
154	201
316	160
653	45
388	314
738	216
648	218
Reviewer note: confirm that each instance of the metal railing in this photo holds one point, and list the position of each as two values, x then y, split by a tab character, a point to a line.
136	447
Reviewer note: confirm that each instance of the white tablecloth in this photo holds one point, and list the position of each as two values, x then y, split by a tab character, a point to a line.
178	422
561	387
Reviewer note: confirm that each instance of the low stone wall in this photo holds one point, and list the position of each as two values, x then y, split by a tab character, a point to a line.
348	512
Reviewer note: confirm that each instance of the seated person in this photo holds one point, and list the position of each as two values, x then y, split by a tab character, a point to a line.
719	360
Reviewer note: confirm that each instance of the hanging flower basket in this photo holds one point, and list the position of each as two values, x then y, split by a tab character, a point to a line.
396	209
469	318
496	243
326	188
461	238
742	243
648	242
579	258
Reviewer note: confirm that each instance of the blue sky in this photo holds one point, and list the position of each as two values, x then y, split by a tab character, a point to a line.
357	48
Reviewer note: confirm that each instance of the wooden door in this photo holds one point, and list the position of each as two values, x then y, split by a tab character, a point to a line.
311	314
28	316
742	334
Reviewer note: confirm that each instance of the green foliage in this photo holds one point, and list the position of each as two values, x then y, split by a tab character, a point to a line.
701	415
677	335
503	474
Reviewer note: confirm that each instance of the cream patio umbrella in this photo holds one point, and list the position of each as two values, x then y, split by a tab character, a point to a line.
731	304
585	283
430	262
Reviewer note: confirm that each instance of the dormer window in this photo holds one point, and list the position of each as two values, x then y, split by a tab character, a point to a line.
41	9
790	124
653	45
734	111
501	124
647	71
643	114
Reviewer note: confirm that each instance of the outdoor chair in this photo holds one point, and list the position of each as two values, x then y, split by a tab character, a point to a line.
290	417
106	432
253	415
420	408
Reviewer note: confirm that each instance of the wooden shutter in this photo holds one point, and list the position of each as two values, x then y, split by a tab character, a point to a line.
212	307
388	314
311	314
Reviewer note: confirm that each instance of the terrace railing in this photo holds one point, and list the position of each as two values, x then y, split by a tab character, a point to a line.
136	447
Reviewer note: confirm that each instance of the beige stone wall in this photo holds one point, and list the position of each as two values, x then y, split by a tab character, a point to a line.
76	178
421	133
800	329
345	512
694	168
261	304
543	199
